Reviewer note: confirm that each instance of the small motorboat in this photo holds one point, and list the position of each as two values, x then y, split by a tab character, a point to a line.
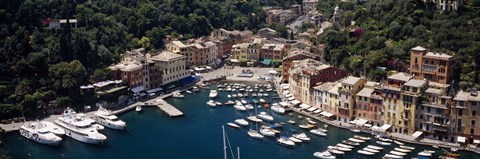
240	107
302	137
211	103
324	155
384	143
254	119
195	89
218	103
303	126
295	139
234	96
385	139
268	90
265	116
407	147
229	102
254	134
254	94
339	148
259	95
291	121
356	140
261	90
351	143
284	141
239	95
402	150
337	152
392	156
299	117
318	132
355	130
425	153
249	106
344	146
362	137
267	132
189	92
138	108
365	152
266	105
263	101
229	96
398	142
233	125
370	150
241	122
265	94
398	153
375	147
244	101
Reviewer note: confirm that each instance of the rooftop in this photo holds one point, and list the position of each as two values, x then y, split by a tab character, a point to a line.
419	48
365	92
166	56
400	77
350	80
466	96
179	44
434	91
415	83
334	89
438	56
438	85
127	66
325	86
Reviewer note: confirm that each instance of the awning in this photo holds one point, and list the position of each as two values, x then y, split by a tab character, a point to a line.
311	109
461	139
284	86
266	61
286	92
233	60
476	141
361	122
295	102
304	106
288	95
368	125
326	114
375	128
272	72
154	90
291	98
317	111
284	104
138	89
208	67
188	80
353	122
417	134
385	127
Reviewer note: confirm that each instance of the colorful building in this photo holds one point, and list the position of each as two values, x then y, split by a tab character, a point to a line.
464	118
350	86
295	55
369	103
436	67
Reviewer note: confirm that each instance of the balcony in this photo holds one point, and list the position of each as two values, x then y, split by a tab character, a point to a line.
427	68
440	125
435	105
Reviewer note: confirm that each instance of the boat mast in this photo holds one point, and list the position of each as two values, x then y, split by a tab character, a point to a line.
224	143
238	152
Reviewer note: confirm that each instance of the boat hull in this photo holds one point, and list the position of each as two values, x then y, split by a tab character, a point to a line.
37	138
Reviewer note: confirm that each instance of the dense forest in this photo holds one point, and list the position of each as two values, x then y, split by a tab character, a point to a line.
385	30
44	67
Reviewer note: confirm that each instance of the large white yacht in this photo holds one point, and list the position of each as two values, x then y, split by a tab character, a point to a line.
39	132
55	129
79	128
106	118
213	93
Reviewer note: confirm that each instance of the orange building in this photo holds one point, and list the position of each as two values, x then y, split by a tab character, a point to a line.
435	67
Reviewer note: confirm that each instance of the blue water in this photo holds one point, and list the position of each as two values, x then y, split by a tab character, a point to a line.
153	134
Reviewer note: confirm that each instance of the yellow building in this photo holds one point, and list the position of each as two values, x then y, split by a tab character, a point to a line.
464	117
350	86
392	101
410	99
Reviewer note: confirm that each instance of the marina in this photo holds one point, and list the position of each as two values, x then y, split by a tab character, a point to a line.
140	132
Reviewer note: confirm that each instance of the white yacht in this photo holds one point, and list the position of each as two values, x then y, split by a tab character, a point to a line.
254	119
242	122
277	108
195	89
138	108
265	116
318	132
178	95
285	141
254	134
79	128
324	155
291	138
211	103
301	136
106	118
267	132
39	132
55	129
213	94
239	107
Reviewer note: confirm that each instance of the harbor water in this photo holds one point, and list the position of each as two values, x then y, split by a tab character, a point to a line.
198	134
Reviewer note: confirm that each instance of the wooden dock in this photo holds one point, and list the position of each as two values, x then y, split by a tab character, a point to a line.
169	109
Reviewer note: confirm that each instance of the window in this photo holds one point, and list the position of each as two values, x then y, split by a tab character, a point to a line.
473	122
472	131
460	112
474	113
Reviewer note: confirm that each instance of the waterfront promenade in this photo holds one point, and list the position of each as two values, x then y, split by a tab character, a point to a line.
395	136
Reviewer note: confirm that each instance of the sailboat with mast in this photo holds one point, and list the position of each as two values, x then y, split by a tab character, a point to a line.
225	141
254	133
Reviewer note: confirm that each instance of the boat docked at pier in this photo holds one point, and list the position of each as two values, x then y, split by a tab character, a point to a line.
79	128
284	141
40	133
106	118
324	155
277	108
177	95
213	94
55	129
265	116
